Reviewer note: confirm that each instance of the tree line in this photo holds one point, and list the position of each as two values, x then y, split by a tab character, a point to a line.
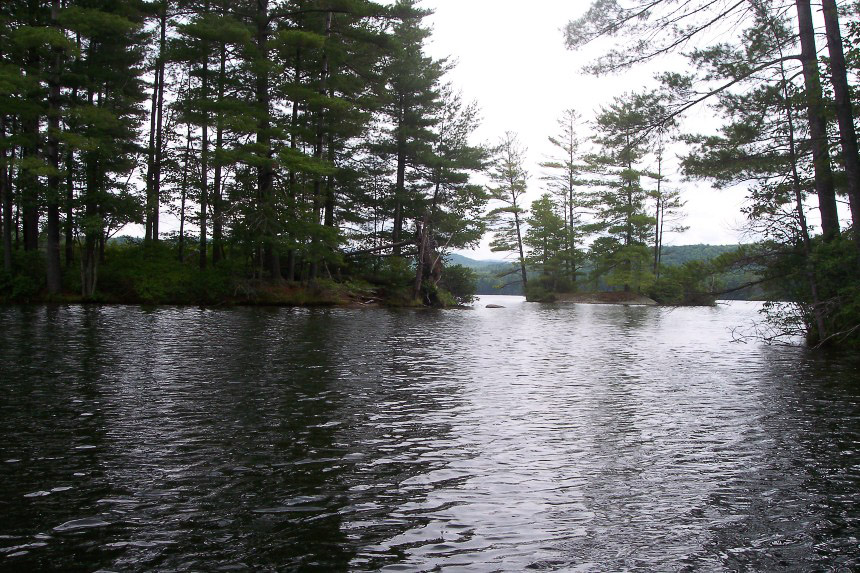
290	138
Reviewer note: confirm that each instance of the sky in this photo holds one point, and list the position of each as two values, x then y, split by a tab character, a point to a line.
511	58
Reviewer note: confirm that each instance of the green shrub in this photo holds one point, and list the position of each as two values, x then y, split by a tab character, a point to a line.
392	271
667	290
27	279
24	288
461	283
538	293
5	283
683	285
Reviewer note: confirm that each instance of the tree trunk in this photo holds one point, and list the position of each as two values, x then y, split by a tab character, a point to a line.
570	205
89	258
103	239
70	210
5	201
14	198
520	246
400	186
572	239
28	182
265	172
89	267
628	233
150	158
204	152
184	194
824	185
844	112
159	126
218	214
658	237
330	198
70	183
16	225
420	267
809	271
292	191
318	199
662	236
53	267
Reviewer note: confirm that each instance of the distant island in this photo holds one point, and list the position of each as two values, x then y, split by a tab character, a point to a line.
728	282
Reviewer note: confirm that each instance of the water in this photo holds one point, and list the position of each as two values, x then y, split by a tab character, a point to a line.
570	438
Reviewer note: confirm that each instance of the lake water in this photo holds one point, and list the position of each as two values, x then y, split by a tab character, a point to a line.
569	438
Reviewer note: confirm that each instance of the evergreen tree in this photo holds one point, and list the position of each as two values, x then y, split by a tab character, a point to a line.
510	179
110	73
621	252
564	179
844	113
155	150
668	204
453	206
265	113
766	145
410	107
651	29
547	240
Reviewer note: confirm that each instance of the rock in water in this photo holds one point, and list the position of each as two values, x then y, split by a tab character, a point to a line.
494	306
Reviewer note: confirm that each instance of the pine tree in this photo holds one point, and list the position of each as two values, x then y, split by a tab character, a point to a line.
625	227
156	126
766	144
547	240
844	112
668	204
564	180
110	74
411	106
453	206
509	179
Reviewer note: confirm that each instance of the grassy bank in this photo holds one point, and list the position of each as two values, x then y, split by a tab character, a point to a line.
131	273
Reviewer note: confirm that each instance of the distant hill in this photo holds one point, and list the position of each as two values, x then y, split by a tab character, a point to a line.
673	256
455	259
489	271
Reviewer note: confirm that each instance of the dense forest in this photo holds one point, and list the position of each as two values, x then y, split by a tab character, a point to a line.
312	151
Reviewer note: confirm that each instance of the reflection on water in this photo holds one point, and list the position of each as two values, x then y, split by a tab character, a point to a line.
568	437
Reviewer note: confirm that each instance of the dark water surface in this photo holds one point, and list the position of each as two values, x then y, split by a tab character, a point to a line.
572	438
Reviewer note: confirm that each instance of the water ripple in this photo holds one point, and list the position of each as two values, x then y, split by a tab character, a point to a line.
566	437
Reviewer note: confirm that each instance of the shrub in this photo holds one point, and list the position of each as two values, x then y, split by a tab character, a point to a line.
683	285
539	293
460	282
27	279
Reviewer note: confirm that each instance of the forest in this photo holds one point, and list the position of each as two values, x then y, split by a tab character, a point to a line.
313	152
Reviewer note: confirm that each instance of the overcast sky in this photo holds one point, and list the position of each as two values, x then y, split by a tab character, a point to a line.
512	60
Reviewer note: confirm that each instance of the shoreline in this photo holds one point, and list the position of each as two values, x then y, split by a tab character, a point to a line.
610	298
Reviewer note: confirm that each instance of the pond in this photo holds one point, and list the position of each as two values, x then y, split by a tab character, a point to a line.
546	437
